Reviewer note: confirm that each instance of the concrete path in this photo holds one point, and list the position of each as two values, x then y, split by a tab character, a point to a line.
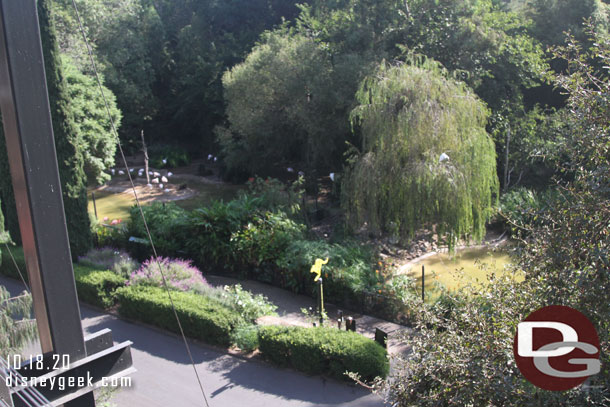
290	305
166	378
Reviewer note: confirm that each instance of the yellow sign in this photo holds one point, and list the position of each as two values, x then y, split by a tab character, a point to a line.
317	268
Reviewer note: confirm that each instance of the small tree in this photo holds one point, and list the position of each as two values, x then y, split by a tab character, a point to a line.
91	121
425	159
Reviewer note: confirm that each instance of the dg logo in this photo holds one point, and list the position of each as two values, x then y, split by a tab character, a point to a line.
557	348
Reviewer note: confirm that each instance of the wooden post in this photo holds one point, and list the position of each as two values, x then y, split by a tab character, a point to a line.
145	151
423	283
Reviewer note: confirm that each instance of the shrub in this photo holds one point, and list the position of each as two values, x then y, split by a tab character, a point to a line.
275	195
97	287
524	207
108	236
202	318
174	156
265	237
179	274
349	272
246	337
324	350
7	267
246	304
166	221
108	258
207	234
94	286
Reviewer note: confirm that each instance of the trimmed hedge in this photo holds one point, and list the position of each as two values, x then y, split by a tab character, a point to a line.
201	317
324	350
97	287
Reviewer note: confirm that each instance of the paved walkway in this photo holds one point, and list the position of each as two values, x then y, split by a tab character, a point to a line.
290	305
166	378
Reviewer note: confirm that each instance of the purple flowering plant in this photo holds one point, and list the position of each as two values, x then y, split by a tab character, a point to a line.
180	274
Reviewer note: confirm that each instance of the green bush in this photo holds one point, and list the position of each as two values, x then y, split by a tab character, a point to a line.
7	267
324	350
522	208
165	221
174	156
243	302
276	195
108	258
246	337
265	237
202	318
94	286
349	272
209	229
97	287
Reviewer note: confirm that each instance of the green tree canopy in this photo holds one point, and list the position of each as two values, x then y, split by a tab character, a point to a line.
91	123
552	18
69	154
425	159
288	102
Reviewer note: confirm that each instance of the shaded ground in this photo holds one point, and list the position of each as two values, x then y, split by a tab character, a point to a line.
166	378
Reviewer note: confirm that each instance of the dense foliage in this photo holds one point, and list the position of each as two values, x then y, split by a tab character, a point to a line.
242	237
425	158
16	327
283	105
202	318
69	154
324	351
164	59
91	123
97	286
463	353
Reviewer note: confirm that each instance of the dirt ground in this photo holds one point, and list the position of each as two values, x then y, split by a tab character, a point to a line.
146	194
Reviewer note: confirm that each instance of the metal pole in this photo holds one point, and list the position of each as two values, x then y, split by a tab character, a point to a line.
423	283
33	162
320	300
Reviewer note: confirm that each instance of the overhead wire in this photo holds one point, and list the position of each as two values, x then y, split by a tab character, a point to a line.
18	269
139	206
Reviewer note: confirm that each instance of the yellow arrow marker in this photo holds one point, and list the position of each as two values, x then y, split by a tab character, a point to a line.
317	268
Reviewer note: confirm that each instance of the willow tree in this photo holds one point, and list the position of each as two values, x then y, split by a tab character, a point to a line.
426	159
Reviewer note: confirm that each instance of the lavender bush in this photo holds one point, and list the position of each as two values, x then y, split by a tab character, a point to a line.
111	259
179	274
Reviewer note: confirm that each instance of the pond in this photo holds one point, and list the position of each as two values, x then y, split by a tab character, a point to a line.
467	266
117	205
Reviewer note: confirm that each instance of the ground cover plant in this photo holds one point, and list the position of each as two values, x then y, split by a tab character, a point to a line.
108	258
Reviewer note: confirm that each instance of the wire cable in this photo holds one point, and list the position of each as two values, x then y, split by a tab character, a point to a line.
154	250
18	269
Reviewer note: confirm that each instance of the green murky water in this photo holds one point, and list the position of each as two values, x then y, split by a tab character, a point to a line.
116	205
467	266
